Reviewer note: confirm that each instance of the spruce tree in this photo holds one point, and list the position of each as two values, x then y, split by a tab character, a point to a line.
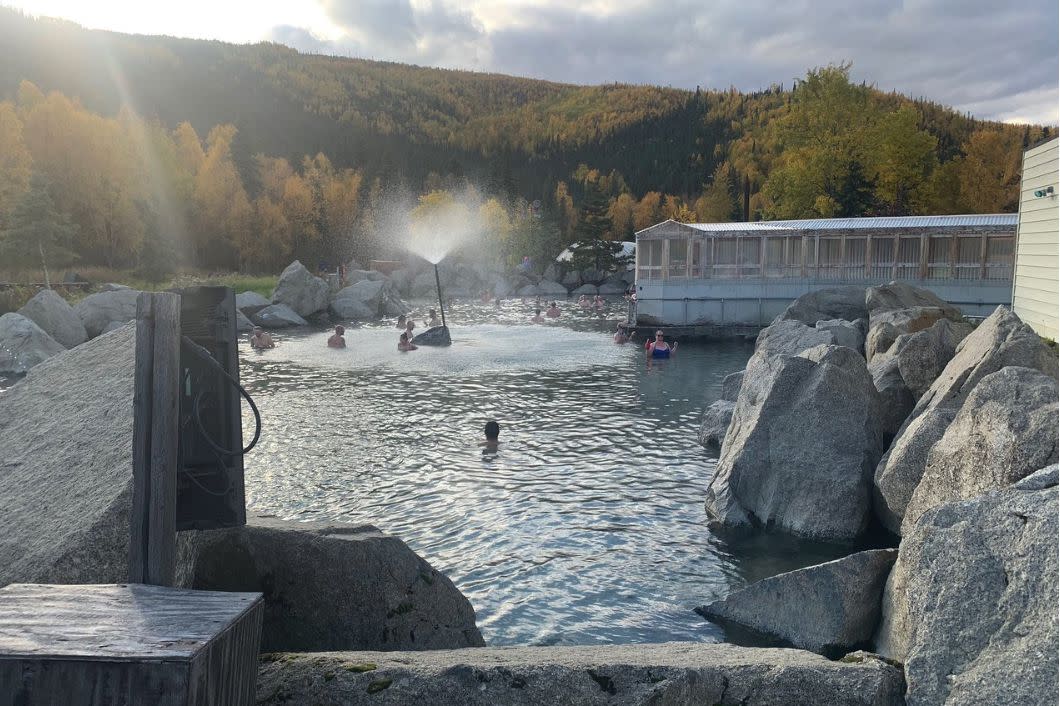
37	231
594	223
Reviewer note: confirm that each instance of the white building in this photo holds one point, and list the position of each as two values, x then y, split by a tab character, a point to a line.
722	274
1034	288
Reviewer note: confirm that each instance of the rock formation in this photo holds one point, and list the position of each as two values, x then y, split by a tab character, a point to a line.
98	310
970	606
300	290
804	438
716	420
1004	431
791	337
847	303
671	674
57	318
278	316
24	344
830	608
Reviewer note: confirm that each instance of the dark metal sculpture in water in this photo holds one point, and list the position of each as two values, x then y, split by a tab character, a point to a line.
436	335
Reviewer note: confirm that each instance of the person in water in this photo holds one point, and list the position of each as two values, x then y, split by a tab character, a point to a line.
621	335
659	348
598	302
409	325
404	344
400	322
433	319
538	318
337	340
493	431
584	302
553	311
261	340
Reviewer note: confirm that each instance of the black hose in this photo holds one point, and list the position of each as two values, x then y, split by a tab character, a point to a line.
205	355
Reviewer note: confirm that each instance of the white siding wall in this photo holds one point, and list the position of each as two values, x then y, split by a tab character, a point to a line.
1034	291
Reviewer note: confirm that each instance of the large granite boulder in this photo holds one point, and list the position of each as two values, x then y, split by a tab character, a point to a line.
826	304
589	290
58	319
845	333
1004	431
716	420
670	674
243	324
572	280
300	290
66	466
278	316
898	295
529	290
355	276
251	302
970	606
790	337
65	498
886	326
24	344
611	289
731	384
98	310
550	288
361	300
838	603
331	586
804	438
999	341
896	399
922	356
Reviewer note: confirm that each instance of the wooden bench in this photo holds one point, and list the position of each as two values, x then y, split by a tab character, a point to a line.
127	645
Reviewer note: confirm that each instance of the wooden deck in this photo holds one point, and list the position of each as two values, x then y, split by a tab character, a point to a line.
127	644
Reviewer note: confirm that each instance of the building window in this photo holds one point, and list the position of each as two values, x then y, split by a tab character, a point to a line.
678	258
649	259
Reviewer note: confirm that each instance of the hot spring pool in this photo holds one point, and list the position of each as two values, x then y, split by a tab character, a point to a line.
588	526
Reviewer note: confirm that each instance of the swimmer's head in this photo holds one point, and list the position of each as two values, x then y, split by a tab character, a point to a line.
493	430
401	318
537	311
339	330
431	312
658	334
404	337
257	330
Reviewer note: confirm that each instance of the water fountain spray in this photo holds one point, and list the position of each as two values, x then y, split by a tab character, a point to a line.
436	335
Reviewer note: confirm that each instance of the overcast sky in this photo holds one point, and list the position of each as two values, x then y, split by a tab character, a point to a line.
996	60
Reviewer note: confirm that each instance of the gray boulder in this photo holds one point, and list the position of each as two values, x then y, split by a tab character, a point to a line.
886	326
670	674
730	385
922	356
845	333
716	420
24	344
58	319
300	290
251	302
402	280
552	272
115	325
896	400
838	603
587	289
591	276
804	438
278	316
361	300
790	337
529	290
898	295
611	289
98	310
66	466
331	586
999	341
629	277
572	280
970	606
550	288
1004	431
826	304
355	276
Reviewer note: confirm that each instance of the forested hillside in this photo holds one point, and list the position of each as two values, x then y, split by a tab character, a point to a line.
153	152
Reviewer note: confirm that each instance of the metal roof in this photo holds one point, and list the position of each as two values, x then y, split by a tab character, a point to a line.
990	219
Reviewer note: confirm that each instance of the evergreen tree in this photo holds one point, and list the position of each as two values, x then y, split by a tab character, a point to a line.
594	224
37	231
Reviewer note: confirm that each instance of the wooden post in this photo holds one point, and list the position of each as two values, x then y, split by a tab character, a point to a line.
868	256
954	252
982	257
843	256
156	409
894	257
925	250
762	263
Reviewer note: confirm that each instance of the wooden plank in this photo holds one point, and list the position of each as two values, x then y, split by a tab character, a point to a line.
868	256
142	405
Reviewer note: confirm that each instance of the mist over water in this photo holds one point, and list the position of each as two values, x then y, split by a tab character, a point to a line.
587	527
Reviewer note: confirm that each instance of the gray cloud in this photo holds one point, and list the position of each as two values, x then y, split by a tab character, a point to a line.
995	61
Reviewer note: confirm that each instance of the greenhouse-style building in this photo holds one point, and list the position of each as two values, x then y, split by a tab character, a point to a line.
747	273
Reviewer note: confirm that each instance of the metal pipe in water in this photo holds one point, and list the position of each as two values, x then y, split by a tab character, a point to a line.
438	281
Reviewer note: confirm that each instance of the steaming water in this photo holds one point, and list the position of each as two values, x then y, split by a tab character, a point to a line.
587	527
